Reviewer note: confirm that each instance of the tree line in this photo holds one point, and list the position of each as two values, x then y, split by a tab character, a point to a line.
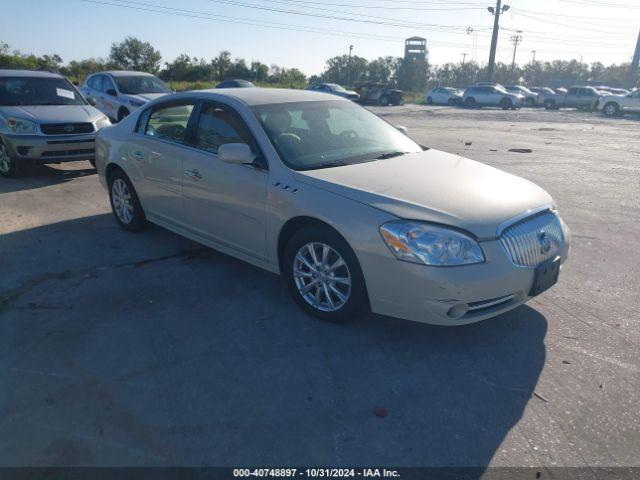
134	54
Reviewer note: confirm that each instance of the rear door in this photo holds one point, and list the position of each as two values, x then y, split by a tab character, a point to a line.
158	154
225	202
572	97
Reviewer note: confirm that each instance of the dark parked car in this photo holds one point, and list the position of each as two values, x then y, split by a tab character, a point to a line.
334	89
235	83
379	94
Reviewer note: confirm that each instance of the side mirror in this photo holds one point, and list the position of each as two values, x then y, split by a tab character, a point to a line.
238	153
112	92
92	101
403	129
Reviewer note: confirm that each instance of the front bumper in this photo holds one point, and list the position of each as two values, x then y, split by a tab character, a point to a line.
428	294
51	148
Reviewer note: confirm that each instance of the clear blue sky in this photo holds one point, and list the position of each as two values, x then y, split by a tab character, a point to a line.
561	29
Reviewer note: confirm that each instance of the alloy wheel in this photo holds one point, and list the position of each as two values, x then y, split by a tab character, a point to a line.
322	277
122	200
610	109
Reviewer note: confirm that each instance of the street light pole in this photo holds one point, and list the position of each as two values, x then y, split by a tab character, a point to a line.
464	56
515	39
494	37
349	66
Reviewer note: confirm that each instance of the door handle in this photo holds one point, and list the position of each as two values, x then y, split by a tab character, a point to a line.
137	155
193	174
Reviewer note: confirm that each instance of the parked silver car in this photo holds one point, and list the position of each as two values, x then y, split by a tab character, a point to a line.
334	89
352	212
118	93
530	97
44	119
491	96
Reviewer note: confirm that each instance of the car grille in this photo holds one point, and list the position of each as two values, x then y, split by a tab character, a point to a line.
68	153
66	128
533	240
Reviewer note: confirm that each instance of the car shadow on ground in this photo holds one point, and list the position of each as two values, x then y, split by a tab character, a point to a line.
145	355
38	175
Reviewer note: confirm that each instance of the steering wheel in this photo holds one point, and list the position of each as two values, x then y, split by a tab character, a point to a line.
349	134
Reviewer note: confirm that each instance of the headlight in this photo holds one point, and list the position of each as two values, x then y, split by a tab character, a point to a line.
429	244
103	122
22	126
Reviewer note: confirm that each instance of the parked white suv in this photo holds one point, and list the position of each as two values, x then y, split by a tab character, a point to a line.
612	105
491	96
118	93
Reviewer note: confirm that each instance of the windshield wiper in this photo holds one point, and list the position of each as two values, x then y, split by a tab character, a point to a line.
337	163
386	155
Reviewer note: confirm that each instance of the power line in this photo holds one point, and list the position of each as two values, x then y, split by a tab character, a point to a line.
384	7
577	27
594	3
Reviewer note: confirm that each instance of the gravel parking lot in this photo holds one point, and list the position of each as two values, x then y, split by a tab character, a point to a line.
148	349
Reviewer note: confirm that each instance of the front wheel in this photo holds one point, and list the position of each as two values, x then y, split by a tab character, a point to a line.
549	105
506	103
530	102
611	109
9	166
323	274
384	101
125	203
470	102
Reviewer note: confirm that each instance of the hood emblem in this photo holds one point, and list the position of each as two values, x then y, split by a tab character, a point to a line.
544	241
69	128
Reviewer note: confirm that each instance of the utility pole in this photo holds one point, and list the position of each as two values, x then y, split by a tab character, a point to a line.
494	38
349	66
633	68
533	60
464	55
515	39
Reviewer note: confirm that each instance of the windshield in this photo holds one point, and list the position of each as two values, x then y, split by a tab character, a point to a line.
31	91
137	84
310	135
336	87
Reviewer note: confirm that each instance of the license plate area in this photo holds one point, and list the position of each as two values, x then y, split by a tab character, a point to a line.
546	276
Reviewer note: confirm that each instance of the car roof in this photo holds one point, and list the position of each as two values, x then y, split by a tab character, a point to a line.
264	96
29	73
124	73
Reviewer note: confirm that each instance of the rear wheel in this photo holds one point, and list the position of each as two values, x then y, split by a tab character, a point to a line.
384	101
125	203
611	109
550	104
323	274
451	102
530	102
470	102
9	166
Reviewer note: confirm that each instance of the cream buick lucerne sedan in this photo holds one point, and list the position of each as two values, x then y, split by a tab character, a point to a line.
351	211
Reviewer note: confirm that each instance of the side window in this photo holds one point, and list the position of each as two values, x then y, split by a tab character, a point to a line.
218	125
107	84
572	91
588	92
168	122
97	83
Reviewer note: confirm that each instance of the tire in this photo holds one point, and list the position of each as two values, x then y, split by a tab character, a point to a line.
470	102
451	102
530	102
122	114
611	109
506	103
9	167
321	300
429	101
549	104
125	204
384	101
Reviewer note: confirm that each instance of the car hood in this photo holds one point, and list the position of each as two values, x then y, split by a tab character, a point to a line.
54	113
437	187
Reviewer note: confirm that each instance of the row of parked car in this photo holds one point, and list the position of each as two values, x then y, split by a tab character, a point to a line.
611	101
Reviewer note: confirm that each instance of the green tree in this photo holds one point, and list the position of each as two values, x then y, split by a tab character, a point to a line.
134	54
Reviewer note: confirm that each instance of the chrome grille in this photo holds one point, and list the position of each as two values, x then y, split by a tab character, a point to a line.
533	240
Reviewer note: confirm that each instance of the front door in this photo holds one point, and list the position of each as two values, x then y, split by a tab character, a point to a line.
225	202
158	154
